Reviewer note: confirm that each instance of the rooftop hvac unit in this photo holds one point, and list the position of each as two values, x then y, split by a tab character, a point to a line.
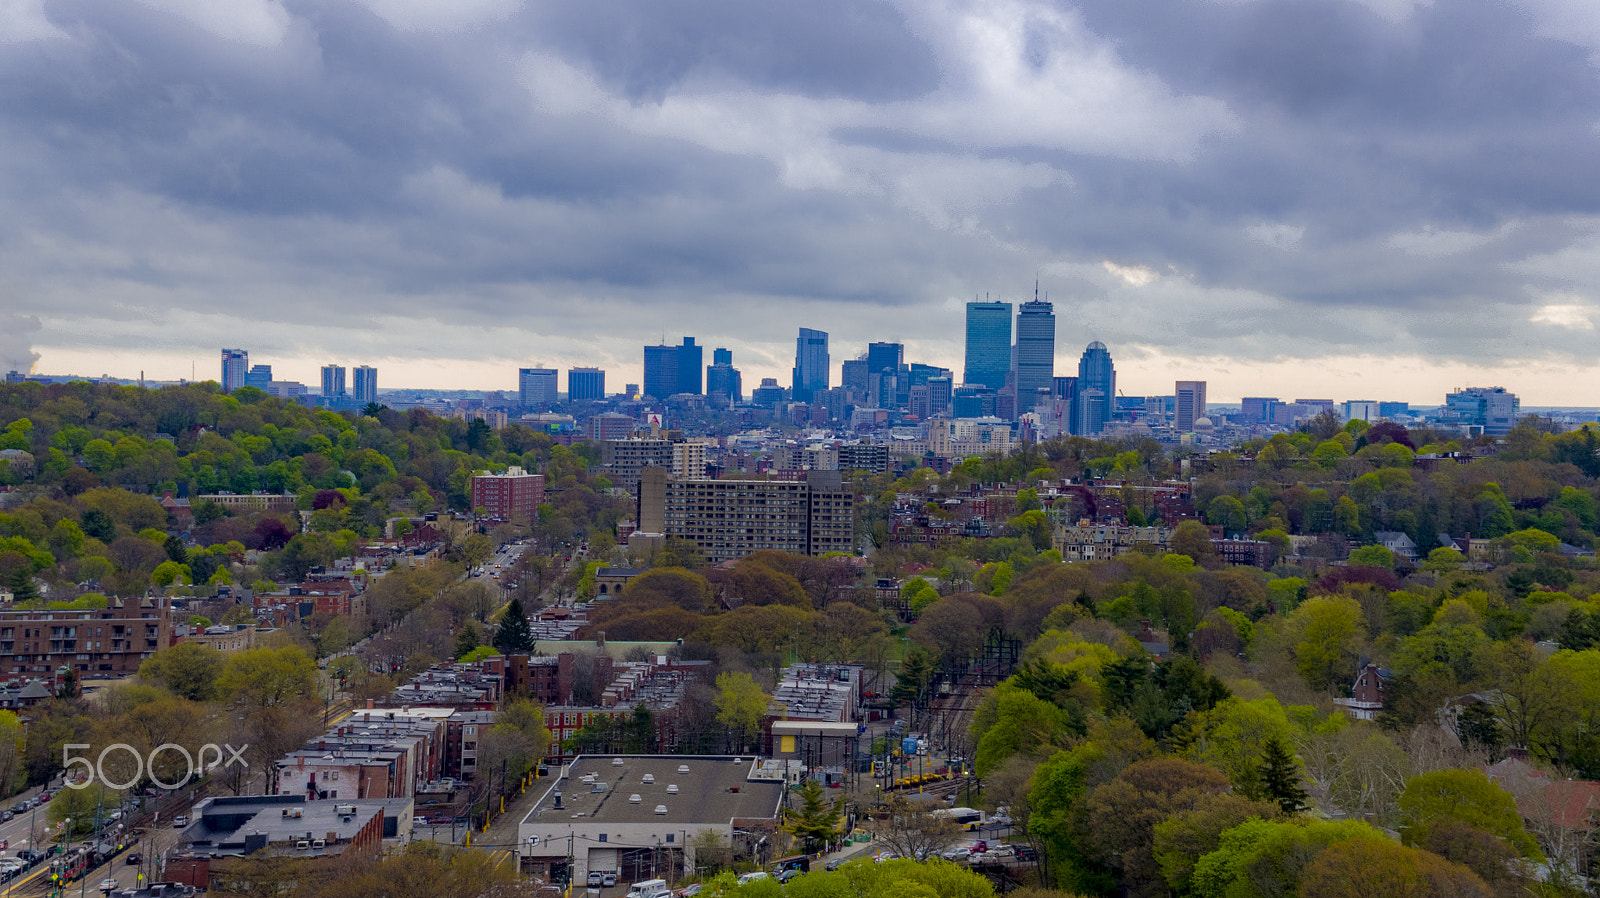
294	813
318	843
302	845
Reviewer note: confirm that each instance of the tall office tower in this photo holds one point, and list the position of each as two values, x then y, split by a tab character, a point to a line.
333	382
537	386
885	357
855	376
1097	388
810	364
939	395
235	365
988	344
660	371
260	377
689	363
1034	363
1258	409
722	378
1191	404
585	384
364	384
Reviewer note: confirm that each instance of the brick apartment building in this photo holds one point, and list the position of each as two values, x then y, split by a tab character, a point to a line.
112	640
729	519
512	496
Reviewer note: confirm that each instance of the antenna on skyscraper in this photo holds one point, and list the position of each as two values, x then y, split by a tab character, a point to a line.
1036	288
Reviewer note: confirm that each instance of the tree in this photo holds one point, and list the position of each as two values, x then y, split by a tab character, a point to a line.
1465	796
189	669
816	821
911	682
1191	538
911	830
1122	815
1280	776
740	705
466	639
266	677
1329	627
99	525
1183	839
1371	556
1358	868
81	806
514	635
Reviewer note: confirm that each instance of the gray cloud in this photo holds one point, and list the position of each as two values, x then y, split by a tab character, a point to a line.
1381	178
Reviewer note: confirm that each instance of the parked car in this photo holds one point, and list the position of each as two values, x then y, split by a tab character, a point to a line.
752	877
595	877
180	821
833	865
7	817
1002	851
609	880
783	876
109	885
690	891
134	859
1027	853
419	821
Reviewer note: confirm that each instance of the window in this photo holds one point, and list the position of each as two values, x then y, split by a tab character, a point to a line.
602	837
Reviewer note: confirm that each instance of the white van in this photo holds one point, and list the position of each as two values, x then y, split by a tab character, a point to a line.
647	888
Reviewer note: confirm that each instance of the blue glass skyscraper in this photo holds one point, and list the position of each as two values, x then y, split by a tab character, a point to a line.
1097	390
810	364
988	344
1035	360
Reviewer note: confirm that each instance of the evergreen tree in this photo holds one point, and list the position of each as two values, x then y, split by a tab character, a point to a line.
913	678
22	586
1280	776
514	636
816	820
467	639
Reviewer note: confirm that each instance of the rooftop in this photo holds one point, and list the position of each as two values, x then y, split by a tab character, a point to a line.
713	792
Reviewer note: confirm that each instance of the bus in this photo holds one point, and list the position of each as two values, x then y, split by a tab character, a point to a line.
966	818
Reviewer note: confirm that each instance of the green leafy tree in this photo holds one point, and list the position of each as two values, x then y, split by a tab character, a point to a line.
740	705
267	677
189	669
1465	796
1371	556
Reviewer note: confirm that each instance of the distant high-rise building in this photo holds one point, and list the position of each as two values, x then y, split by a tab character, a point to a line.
1492	408
940	393
333	382
260	377
537	386
885	357
1258	409
722	378
1391	409
364	384
768	394
689	363
585	384
988	344
810	364
1097	386
1361	410
855	375
1191	402
885	365
660	371
1034	362
235	365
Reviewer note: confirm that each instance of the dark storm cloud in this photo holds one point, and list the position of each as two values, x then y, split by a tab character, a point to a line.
1178	167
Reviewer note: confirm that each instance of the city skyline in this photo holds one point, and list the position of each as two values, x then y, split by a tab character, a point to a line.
1234	202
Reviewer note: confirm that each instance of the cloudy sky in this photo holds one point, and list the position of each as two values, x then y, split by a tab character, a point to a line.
1336	198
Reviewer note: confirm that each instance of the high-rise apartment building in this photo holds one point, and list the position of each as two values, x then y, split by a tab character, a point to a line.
585	384
537	386
1097	387
364	386
510	496
1190	398
235	365
729	519
988	344
1034	362
624	459
810	364
333	382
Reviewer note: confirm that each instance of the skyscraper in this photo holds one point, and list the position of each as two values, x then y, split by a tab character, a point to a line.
988	344
364	386
235	365
260	377
1034	362
585	384
889	385
722	378
1097	390
537	386
1190	396
333	382
810	364
660	371
689	362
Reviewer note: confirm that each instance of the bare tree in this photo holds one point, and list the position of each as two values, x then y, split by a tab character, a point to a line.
911	830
